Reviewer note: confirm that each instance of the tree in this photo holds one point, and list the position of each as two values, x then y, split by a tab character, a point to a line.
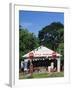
52	35
27	42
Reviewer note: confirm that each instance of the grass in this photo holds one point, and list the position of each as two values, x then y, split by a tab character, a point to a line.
41	75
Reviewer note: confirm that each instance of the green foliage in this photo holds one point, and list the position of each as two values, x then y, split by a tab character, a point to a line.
60	49
52	35
27	42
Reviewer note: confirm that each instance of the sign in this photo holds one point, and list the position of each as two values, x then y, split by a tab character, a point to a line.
54	55
31	55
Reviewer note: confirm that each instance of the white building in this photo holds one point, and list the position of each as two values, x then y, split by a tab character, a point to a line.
42	53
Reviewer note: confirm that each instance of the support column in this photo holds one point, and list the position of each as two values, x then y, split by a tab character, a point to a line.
52	65
31	68
25	64
58	65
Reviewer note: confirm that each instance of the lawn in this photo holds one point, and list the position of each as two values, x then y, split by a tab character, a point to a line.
41	75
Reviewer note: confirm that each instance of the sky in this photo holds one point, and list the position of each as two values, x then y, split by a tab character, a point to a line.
34	21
